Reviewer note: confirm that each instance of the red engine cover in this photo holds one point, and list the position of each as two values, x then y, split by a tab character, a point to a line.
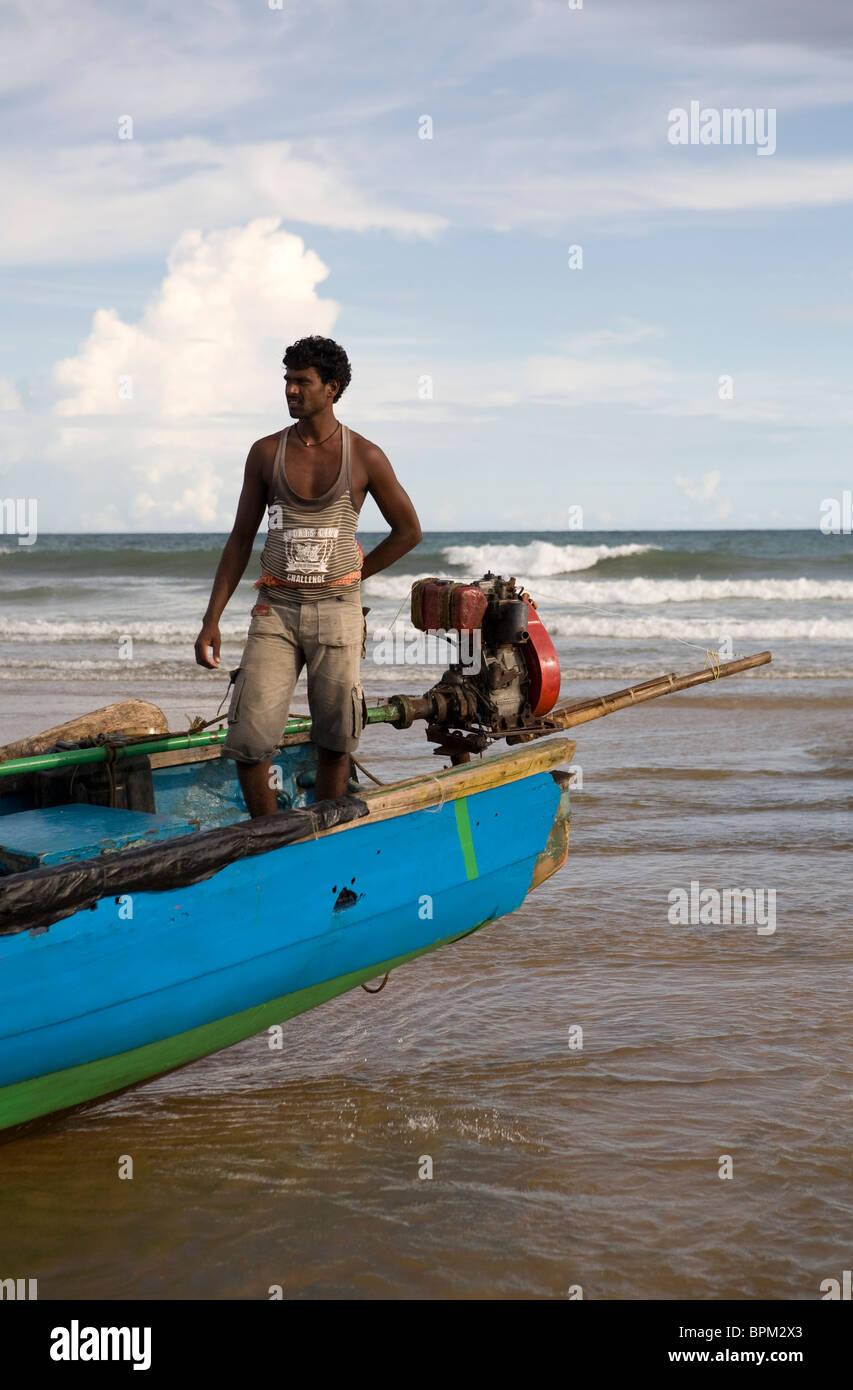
542	662
441	604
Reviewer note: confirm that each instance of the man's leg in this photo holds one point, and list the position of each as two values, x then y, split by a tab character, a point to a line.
334	642
258	787
271	663
332	774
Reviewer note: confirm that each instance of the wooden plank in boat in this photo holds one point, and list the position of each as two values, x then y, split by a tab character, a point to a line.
432	789
134	717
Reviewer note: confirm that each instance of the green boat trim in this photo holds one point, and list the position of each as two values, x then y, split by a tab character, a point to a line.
387	713
24	1101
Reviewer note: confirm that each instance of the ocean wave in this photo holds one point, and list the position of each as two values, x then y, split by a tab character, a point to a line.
167	673
650	592
699	630
702	628
651	626
639	591
189	563
537	557
160	633
378	681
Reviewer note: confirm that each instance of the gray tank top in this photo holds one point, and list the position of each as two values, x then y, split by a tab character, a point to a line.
310	542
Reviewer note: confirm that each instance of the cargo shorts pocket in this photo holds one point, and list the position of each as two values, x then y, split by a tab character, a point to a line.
265	624
337	624
239	679
359	711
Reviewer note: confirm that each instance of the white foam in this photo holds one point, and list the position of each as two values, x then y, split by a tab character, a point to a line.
536	558
394	587
700	630
650	592
638	592
142	630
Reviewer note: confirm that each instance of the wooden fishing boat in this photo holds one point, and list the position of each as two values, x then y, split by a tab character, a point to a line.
145	922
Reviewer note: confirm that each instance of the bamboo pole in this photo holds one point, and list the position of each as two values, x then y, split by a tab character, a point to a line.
560	718
581	712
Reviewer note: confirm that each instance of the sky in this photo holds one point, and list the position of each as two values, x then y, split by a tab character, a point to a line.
553	310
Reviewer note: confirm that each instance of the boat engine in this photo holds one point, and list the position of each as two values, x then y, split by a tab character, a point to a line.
507	675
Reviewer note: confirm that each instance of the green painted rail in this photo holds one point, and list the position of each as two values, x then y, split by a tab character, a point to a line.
169	743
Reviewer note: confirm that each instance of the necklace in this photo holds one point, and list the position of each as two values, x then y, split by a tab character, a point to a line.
309	445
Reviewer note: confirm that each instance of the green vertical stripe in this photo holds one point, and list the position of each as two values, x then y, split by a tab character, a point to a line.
463	826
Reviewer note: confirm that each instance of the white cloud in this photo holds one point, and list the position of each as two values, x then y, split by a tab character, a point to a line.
682	184
9	398
203	361
704	490
204	367
601	338
699	490
594	373
210	339
642	381
122	199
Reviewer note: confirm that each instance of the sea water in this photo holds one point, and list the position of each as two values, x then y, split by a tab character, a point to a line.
589	1094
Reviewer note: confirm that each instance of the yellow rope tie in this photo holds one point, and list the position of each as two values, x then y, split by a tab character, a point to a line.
712	659
432	809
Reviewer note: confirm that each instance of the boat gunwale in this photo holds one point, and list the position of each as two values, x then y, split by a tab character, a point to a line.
465	779
390	801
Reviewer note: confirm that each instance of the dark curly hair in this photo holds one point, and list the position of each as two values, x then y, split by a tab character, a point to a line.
326	356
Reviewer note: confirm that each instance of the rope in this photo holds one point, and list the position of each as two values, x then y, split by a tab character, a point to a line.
447	639
712	657
433	809
367	772
379	988
197	723
110	754
400	609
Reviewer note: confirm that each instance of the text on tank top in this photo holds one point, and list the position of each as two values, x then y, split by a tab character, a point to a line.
310	542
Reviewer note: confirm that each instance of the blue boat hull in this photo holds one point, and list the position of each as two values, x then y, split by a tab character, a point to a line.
139	984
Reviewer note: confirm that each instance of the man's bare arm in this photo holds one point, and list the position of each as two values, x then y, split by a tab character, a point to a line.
235	557
396	506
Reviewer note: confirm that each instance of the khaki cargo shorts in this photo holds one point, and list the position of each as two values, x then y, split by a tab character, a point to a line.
287	632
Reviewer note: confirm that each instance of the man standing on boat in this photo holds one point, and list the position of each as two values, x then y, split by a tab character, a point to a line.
313	476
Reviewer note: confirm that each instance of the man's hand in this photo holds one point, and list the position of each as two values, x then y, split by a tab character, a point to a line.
208	638
238	549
